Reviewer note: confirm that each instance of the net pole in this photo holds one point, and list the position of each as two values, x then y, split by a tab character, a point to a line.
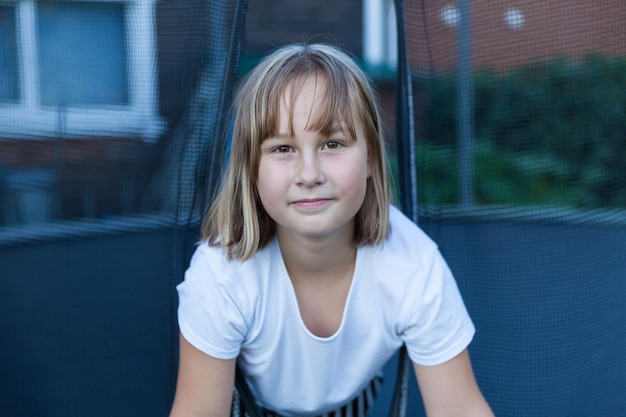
407	178
405	132
465	105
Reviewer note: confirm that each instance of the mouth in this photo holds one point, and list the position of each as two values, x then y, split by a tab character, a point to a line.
311	203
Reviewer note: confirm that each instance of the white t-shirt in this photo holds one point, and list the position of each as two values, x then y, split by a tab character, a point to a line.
401	292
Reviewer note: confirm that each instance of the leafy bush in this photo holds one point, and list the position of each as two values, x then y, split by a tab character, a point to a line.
500	177
547	133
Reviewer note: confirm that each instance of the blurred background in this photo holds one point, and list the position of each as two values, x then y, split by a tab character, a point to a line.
506	125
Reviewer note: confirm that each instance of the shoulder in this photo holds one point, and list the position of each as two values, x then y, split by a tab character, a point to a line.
406	240
408	265
211	272
403	264
429	313
404	232
219	298
213	261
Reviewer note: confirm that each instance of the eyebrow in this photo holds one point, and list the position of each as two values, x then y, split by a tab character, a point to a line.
337	128
342	128
279	135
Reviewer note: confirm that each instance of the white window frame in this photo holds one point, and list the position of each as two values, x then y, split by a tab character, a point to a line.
380	36
29	119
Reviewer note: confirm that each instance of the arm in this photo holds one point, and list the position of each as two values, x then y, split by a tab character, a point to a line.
205	384
450	389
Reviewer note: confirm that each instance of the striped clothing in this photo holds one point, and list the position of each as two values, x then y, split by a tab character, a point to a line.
358	407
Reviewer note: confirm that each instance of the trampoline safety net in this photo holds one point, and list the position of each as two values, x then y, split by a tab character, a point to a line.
512	143
112	125
511	154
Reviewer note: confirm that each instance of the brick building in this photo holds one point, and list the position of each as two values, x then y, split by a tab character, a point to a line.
506	33
97	155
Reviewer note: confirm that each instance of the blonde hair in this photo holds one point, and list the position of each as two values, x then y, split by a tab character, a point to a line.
236	220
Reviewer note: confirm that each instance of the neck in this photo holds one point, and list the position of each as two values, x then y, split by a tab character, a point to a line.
316	259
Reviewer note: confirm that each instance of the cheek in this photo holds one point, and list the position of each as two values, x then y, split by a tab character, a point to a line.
366	164
268	184
262	181
353	175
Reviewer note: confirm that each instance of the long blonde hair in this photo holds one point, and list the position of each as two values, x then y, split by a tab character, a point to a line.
236	220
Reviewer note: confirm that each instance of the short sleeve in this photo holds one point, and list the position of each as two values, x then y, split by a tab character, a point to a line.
209	316
439	327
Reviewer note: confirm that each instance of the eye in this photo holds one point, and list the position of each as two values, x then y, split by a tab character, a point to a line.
333	144
282	149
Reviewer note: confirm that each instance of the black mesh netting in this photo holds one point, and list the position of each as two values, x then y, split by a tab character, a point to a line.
511	155
112	127
513	127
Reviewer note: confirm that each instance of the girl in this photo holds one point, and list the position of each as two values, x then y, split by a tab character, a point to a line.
307	278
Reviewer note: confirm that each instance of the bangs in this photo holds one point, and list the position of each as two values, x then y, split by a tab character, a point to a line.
337	108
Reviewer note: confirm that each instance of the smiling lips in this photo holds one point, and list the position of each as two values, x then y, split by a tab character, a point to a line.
311	203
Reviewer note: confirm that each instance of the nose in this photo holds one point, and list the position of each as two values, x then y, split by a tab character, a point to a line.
309	172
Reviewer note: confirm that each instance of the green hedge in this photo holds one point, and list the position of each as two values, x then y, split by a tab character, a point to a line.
550	133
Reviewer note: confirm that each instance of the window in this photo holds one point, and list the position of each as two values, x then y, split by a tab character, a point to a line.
8	55
82	54
379	34
78	69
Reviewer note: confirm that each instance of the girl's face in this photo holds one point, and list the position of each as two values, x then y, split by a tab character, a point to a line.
310	184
